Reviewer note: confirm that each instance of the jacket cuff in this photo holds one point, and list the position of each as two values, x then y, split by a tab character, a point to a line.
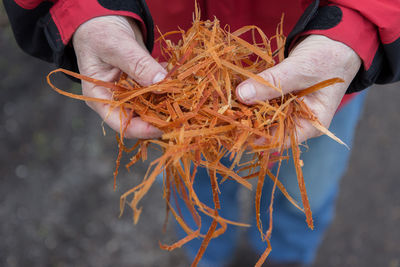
344	25
66	16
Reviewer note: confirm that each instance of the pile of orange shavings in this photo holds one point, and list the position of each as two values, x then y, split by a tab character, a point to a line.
203	121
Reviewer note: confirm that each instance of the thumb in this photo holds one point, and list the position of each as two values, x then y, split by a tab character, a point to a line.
285	75
314	59
134	60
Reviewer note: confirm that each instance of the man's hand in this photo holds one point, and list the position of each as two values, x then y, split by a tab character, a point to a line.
104	47
315	59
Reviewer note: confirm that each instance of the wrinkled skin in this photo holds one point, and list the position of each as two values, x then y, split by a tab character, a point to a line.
316	58
106	45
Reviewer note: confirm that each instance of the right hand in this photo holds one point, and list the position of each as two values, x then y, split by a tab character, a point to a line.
105	46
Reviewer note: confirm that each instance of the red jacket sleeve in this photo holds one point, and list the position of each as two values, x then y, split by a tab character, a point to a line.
44	28
371	28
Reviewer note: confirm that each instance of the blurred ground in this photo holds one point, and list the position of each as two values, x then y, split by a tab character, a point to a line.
58	208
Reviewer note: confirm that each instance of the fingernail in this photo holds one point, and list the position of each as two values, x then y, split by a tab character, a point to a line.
247	92
159	77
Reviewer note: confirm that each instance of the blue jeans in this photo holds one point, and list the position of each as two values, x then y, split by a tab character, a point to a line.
291	239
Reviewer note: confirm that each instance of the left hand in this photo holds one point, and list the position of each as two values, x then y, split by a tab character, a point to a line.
314	59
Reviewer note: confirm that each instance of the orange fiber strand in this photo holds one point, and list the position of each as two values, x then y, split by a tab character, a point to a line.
203	121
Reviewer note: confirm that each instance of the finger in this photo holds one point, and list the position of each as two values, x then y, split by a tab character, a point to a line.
134	60
286	75
137	128
304	131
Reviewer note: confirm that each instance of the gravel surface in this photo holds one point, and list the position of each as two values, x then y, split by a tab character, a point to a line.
58	207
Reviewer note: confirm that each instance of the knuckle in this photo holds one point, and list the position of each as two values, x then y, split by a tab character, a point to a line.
310	71
270	77
140	65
